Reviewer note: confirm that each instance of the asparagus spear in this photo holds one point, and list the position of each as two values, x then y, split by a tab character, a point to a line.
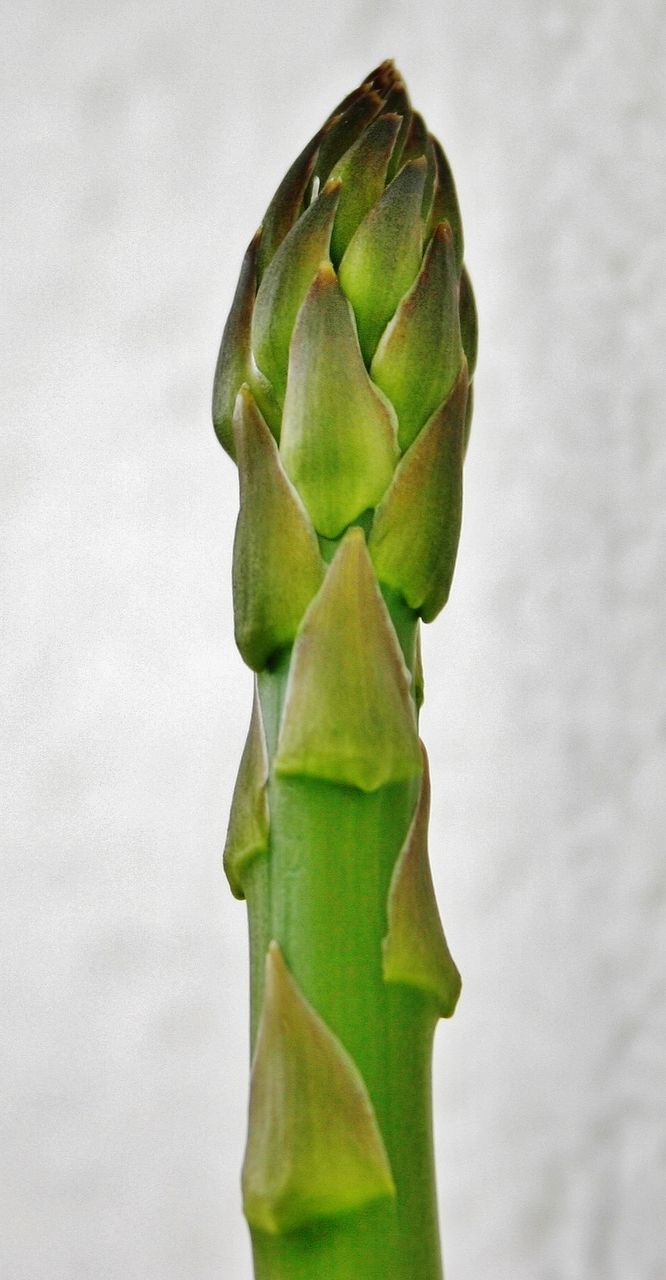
342	392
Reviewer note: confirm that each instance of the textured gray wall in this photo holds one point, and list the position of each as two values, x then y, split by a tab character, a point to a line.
142	142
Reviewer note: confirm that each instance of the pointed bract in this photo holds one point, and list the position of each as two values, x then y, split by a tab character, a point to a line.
397	101
445	207
277	567
287	203
362	172
415	951
469	326
348	717
416	140
468	417
349	99
418	143
314	1150
414	537
338	440
419	689
420	352
286	283
247	833
385	76
344	129
384	255
233	361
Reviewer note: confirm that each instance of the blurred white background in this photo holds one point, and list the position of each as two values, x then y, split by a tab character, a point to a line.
142	143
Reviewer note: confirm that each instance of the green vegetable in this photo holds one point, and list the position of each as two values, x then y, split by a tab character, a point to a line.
343	393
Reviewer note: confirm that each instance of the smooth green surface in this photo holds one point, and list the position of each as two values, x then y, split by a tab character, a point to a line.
333	850
363	1246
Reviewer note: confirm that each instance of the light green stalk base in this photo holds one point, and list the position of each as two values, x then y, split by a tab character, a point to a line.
322	893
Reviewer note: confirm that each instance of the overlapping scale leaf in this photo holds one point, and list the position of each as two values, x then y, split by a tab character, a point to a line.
338	441
277	567
420	353
468	416
419	684
383	77
286	283
233	361
415	951
397	101
338	436
314	1149
469	326
247	833
445	207
362	172
416	139
287	203
384	255
344	129
414	537
348	715
418	143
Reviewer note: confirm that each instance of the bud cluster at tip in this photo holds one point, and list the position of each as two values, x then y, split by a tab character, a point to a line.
351	341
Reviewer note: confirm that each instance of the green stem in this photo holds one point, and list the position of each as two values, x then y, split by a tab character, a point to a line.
321	893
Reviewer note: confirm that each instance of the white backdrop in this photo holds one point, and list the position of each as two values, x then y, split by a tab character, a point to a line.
143	141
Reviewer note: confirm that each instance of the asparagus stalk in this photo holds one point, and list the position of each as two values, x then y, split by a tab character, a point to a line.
342	392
